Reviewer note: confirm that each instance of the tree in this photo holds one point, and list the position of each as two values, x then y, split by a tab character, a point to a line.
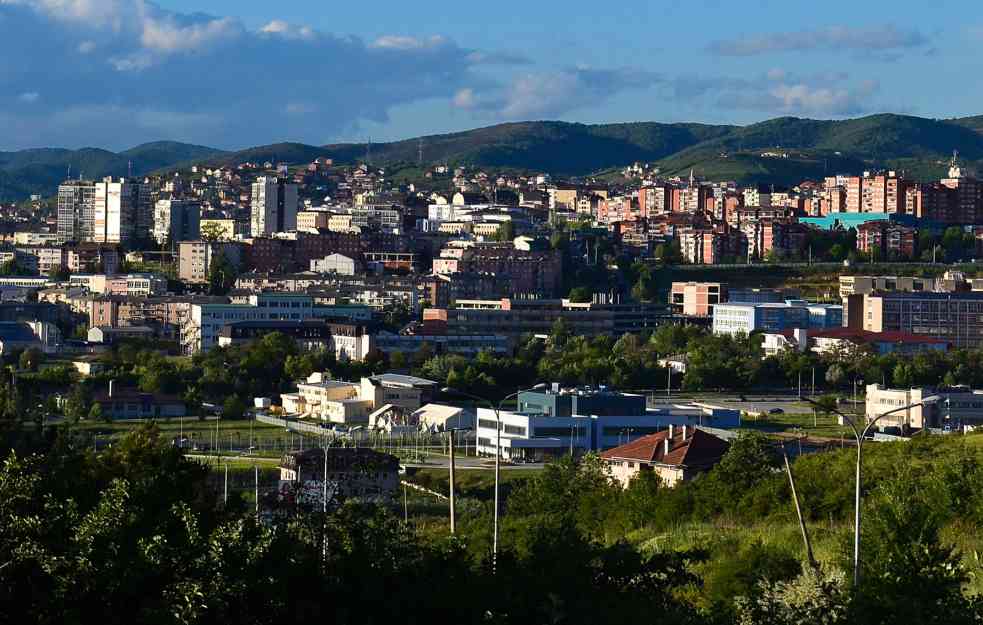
96	412
580	295
31	358
233	408
221	275
505	232
59	273
212	231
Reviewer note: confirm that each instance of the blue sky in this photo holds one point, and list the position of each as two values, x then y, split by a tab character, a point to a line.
115	73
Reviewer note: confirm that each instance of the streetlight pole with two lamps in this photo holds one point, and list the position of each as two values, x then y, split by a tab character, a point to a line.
498	444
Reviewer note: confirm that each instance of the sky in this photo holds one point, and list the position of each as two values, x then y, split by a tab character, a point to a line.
233	74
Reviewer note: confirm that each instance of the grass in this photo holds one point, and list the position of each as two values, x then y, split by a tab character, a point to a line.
820	425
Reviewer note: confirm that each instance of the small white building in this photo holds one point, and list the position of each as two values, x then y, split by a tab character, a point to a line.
334	263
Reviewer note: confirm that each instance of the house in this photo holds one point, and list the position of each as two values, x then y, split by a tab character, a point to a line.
106	335
128	403
351	473
675	455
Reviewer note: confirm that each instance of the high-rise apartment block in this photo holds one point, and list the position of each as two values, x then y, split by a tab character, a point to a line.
177	220
274	206
76	209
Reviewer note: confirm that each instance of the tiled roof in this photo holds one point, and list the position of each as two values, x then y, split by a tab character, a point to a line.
698	449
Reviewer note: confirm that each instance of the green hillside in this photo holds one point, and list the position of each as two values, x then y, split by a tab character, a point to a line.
917	145
41	170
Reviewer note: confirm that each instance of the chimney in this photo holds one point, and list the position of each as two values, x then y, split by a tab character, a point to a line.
110	388
684	432
666	450
672	430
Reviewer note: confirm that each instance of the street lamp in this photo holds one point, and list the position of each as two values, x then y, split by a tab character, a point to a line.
861	435
498	444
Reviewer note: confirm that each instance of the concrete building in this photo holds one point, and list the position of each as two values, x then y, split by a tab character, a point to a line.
20	335
352	403
696	299
195	258
132	404
274	206
536	435
352	473
956	408
956	318
674	455
114	217
76	210
177	220
205	320
348	341
513	318
312	221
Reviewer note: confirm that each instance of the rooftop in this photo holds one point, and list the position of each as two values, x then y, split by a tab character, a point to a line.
699	449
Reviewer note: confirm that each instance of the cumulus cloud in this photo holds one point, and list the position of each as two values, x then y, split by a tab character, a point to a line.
552	94
880	39
127	71
780	92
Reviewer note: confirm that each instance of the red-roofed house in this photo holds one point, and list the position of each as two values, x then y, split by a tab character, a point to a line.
676	454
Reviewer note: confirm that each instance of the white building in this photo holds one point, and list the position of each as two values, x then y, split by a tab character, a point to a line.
334	263
536	435
201	331
274	206
114	215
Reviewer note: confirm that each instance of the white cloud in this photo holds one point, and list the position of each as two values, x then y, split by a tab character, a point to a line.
29	96
834	38
398	42
552	94
128	71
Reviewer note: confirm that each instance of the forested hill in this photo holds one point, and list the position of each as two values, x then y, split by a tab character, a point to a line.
782	150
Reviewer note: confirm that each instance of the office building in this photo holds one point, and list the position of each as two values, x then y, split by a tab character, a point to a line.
956	318
956	407
735	317
274	206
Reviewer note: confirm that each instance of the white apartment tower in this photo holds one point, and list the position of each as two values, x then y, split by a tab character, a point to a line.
274	206
115	211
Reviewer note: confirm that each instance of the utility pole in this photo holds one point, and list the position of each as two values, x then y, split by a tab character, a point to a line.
226	498
451	467
256	487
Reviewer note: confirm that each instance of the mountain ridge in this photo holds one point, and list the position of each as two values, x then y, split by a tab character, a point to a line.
812	148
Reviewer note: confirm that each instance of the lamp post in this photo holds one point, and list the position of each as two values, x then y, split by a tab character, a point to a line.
861	435
498	445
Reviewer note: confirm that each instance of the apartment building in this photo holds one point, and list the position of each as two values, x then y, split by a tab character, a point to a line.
176	220
955	408
195	258
76	210
696	299
273	206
